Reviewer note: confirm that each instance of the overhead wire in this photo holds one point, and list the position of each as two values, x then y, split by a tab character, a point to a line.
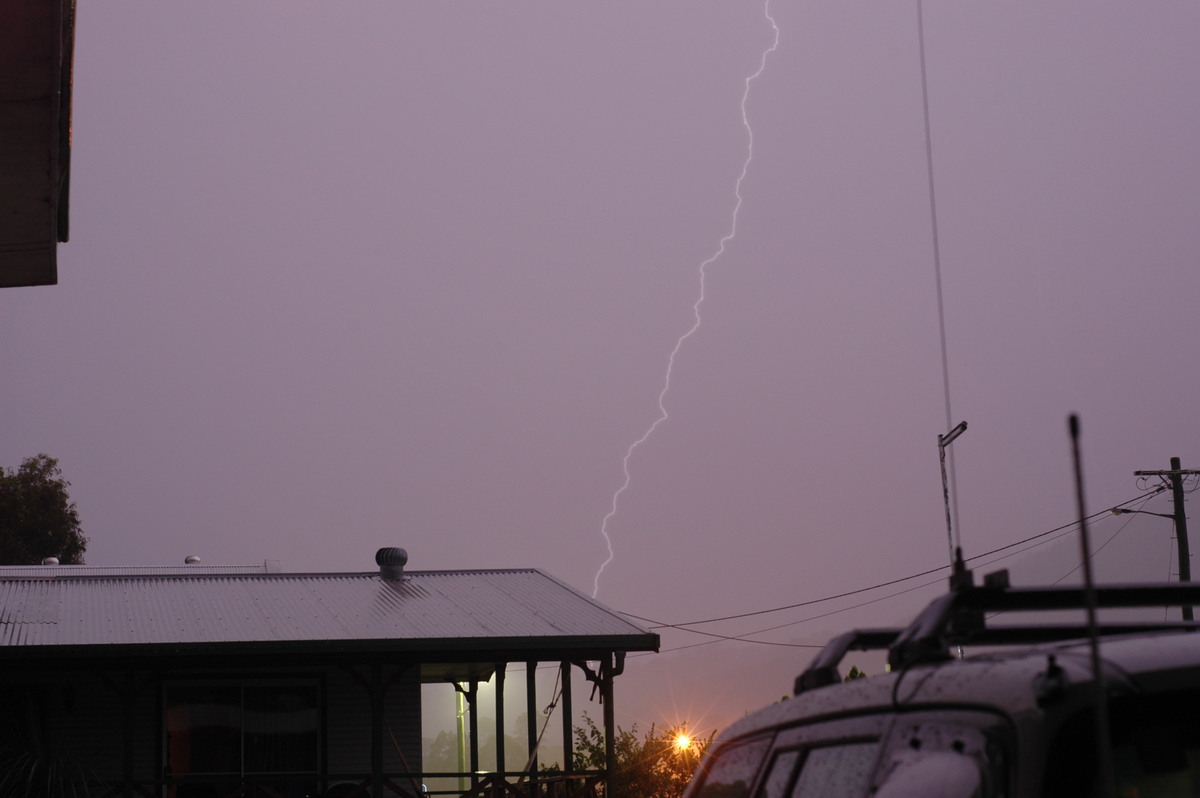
745	638
656	624
1030	542
1035	540
1100	548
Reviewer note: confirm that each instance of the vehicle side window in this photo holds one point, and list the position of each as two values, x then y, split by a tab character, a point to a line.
830	759
730	772
829	771
779	777
962	752
837	771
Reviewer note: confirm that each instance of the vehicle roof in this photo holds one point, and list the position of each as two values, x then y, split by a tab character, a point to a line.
1004	680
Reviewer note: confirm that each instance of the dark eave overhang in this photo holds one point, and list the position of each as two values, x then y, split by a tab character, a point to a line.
36	47
316	652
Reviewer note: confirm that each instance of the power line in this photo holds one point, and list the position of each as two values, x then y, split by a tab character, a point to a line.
683	626
1111	538
745	638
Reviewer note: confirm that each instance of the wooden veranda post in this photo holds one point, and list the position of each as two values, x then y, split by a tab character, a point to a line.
472	695
568	720
500	667
610	725
531	714
376	692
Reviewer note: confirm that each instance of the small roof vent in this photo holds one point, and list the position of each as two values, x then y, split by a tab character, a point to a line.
391	561
191	559
50	561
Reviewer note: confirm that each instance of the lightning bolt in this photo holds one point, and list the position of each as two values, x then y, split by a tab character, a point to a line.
703	272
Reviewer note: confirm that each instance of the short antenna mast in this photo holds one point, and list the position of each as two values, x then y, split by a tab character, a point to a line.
1103	754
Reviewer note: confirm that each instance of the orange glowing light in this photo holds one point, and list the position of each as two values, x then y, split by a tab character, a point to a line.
682	742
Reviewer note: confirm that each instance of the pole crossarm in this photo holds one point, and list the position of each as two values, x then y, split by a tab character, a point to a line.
1173	477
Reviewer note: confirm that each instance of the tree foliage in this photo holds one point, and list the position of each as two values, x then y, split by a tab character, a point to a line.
37	517
35	762
653	765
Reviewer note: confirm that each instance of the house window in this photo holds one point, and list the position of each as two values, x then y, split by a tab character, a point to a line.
252	738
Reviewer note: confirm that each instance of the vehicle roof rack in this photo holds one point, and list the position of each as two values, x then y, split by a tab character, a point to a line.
824	669
959	618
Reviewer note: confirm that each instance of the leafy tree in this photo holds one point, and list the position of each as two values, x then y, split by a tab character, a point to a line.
854	673
441	754
658	764
37	517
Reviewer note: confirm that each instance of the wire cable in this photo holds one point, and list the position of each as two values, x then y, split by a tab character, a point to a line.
655	624
1034	541
1099	549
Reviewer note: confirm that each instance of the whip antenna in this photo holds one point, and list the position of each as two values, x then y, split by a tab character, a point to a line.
949	480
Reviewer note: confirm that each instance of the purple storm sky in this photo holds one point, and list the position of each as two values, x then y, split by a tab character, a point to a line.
347	275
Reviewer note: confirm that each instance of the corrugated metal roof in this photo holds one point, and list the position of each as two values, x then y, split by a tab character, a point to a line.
437	608
40	571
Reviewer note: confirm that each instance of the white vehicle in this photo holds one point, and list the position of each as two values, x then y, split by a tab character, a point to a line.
1017	719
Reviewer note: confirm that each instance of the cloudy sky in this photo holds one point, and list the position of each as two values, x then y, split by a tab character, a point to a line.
400	272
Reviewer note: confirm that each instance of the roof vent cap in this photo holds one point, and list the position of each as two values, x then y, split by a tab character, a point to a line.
191	559
50	561
391	561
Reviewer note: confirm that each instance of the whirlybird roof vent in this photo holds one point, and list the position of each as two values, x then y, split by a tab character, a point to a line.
391	561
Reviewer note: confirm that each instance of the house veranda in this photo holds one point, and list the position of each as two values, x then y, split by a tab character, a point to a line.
245	682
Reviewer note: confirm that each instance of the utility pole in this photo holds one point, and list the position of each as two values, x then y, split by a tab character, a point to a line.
1174	477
